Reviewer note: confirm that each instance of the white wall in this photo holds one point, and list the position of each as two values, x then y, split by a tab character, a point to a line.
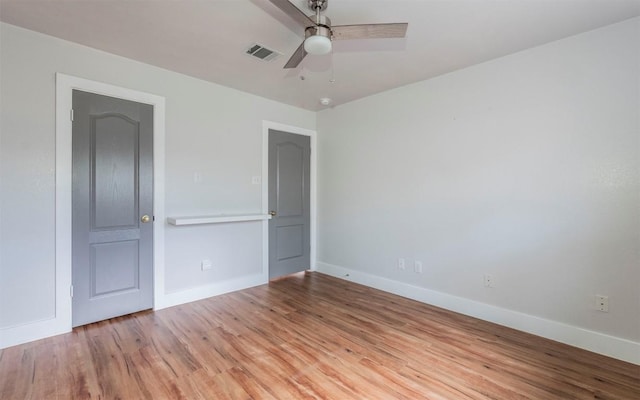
212	130
526	168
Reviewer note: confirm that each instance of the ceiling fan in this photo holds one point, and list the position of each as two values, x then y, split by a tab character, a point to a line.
319	33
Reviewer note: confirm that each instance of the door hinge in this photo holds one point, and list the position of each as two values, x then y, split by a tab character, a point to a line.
71	115
71	290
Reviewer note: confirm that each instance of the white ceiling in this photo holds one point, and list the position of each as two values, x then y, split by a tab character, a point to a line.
207	38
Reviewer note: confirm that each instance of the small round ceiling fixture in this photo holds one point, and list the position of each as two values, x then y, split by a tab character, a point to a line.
325	101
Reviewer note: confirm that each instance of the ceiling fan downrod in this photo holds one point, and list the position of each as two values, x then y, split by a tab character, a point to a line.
323	23
316	5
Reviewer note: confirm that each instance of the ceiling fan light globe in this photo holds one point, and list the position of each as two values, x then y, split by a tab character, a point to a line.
317	45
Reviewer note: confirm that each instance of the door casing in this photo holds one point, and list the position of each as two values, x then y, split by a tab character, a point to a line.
266	126
64	86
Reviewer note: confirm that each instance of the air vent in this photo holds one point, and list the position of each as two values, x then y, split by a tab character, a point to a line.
260	52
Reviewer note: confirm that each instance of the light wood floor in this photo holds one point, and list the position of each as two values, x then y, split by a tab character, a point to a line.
308	336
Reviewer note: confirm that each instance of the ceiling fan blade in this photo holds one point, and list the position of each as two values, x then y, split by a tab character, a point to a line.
297	57
369	31
294	12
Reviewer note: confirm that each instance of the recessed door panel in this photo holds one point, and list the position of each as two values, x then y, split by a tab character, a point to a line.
290	176
115	171
290	239
115	267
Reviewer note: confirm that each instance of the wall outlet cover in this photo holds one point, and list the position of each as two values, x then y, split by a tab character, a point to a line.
417	267
602	303
206	264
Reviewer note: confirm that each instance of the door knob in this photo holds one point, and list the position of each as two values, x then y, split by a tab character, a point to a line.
145	219
272	213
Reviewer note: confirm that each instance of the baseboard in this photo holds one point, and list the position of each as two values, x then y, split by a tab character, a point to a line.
203	292
596	342
15	335
19	334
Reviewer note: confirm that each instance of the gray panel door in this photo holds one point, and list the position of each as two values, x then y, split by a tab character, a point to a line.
112	198
289	198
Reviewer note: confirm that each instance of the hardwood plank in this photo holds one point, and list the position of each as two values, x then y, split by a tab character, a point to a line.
307	336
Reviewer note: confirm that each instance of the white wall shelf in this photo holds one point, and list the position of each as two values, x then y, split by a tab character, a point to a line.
216	219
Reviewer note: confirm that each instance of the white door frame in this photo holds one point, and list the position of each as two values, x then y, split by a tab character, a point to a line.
65	84
266	125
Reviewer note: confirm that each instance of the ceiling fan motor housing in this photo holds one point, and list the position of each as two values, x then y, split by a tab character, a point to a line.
322	29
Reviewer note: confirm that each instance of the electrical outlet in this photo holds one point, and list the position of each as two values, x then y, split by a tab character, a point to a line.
256	180
488	281
206	264
401	264
602	303
417	267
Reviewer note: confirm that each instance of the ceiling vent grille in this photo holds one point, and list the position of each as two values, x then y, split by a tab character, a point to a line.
262	53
